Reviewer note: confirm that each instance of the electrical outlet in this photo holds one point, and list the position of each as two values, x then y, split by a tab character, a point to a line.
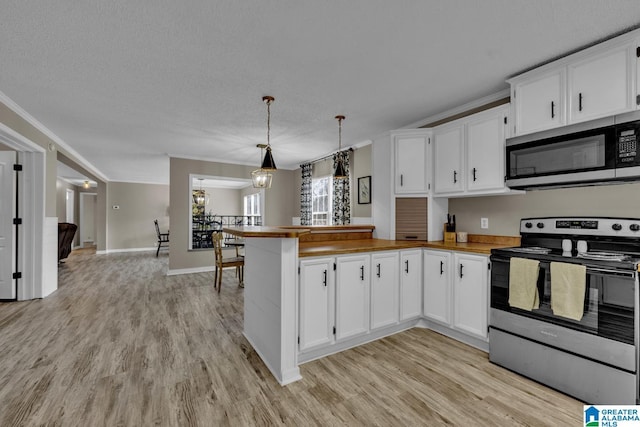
484	222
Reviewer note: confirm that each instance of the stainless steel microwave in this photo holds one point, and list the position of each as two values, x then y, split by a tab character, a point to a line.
590	153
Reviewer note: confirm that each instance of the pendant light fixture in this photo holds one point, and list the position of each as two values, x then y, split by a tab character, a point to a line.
267	163
261	178
200	197
86	184
339	172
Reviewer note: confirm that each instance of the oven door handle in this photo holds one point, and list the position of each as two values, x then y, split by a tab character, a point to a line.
624	273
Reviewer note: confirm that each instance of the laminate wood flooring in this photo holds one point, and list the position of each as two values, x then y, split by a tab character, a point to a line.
122	344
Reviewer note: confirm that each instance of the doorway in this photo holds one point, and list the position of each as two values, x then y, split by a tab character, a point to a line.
87	219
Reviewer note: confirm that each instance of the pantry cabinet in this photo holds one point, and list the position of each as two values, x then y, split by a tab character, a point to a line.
469	154
410	284
384	289
412	161
596	82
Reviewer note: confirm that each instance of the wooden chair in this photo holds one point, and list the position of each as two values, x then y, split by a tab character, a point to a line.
163	238
221	262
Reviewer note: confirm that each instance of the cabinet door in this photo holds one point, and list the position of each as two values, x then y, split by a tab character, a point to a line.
471	306
437	286
352	295
410	284
485	150
539	102
448	160
316	302
411	164
601	85
384	289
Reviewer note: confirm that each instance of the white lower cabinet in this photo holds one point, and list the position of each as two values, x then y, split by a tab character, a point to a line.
316	302
352	295
456	291
410	284
437	286
470	294
384	289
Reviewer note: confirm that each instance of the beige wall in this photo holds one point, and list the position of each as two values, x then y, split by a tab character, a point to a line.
505	212
131	226
223	201
279	205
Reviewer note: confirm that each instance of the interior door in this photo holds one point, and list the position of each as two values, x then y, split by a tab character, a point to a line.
7	210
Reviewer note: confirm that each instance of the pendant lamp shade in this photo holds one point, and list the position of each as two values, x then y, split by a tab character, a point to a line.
261	178
339	172
268	164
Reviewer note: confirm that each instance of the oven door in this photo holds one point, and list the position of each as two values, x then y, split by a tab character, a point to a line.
609	307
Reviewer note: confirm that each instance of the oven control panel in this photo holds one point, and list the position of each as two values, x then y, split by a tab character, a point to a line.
620	227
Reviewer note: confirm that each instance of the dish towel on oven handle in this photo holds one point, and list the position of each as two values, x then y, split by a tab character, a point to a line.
523	278
568	285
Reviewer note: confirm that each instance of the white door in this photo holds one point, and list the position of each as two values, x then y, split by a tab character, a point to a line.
384	289
485	150
437	286
316	302
411	164
540	103
7	210
471	305
410	284
448	152
352	295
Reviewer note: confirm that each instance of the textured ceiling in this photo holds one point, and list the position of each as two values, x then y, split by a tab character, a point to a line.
128	84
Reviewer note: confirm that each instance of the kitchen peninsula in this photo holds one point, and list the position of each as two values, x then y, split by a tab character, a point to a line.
273	316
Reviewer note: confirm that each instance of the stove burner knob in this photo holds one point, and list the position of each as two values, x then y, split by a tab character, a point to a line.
528	225
616	227
634	227
540	225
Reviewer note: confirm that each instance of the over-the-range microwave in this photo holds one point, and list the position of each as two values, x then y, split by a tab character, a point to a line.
600	151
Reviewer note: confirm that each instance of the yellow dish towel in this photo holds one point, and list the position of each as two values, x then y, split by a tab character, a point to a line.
523	277
568	283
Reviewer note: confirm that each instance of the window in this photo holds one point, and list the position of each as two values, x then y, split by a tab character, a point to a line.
252	208
321	191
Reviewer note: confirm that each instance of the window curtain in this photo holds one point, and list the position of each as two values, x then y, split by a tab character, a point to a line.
305	195
341	192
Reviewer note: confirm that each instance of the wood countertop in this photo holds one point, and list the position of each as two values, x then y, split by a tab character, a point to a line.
309	249
262	231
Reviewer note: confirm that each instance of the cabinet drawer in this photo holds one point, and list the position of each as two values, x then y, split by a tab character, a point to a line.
422	235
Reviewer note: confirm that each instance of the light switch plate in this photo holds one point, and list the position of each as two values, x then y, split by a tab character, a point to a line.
484	222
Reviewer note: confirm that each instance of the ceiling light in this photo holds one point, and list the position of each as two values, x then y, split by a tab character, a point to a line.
339	172
86	184
261	178
267	163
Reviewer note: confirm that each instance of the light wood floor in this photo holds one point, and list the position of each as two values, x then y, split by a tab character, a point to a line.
122	344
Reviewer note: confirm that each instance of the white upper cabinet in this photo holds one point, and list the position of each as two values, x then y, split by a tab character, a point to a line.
539	102
448	150
469	154
485	150
412	160
596	82
601	85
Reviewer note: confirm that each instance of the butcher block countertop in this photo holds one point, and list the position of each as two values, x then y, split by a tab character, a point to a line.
341	240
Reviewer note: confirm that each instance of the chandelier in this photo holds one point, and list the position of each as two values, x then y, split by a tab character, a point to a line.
261	178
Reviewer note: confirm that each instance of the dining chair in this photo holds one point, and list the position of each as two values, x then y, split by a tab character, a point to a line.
163	238
222	262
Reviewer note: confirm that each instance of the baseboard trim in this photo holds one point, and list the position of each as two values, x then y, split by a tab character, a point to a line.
114	251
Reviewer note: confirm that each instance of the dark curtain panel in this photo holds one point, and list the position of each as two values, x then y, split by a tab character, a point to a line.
341	192
305	195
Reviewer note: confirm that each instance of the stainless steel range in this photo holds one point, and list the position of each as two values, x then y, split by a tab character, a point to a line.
591	355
